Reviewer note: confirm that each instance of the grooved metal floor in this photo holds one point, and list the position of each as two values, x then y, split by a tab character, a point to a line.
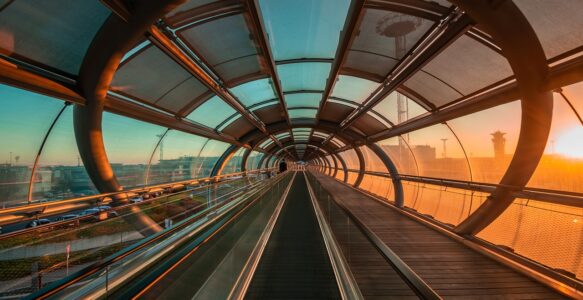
295	264
450	268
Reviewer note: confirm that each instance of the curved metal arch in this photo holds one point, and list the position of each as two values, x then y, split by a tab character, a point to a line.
244	159
41	148
504	21
361	166
115	38
395	177
223	160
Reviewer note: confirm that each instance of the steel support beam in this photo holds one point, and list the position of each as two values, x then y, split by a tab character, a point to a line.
355	13
450	28
114	39
395	177
258	29
504	21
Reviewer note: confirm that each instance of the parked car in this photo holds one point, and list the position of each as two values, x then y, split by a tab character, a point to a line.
38	222
67	217
90	211
136	200
104	207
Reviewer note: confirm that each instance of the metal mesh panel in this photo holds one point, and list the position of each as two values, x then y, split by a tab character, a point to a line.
468	65
432	89
556	23
379	186
551	234
447	205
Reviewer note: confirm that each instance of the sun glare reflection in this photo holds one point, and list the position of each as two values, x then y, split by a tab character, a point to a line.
570	143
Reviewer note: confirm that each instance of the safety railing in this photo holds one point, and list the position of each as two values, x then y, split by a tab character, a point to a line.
108	274
342	219
40	208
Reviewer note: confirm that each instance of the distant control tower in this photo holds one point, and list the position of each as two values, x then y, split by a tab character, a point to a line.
499	142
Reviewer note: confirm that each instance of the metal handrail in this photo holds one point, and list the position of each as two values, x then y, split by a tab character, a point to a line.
417	284
346	282
42	206
57	286
539	194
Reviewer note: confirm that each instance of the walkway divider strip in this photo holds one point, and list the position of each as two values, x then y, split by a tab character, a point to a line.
419	286
346	283
244	280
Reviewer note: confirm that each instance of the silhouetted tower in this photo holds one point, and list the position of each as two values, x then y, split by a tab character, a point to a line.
398	26
499	142
444	148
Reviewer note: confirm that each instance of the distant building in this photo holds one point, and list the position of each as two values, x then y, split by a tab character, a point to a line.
499	143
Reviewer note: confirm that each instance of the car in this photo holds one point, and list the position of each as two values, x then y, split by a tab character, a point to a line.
67	217
136	199
90	211
38	222
104	207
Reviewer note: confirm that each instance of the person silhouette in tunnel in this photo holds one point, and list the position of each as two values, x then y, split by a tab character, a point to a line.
282	166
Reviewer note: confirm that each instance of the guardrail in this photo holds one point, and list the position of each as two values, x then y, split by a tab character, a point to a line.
127	263
545	195
417	284
47	208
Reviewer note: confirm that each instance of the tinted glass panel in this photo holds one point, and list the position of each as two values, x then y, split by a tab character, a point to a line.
353	88
25	118
293	33
303	100
303	76
56	33
129	144
212	112
254	92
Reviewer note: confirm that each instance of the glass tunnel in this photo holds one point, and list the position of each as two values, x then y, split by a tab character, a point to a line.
126	125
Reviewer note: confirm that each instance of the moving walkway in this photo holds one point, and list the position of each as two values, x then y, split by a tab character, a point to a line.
284	238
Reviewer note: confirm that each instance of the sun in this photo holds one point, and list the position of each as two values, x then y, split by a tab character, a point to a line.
570	142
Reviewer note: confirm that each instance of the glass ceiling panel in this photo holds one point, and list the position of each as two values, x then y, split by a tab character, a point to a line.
303	76
212	112
190	4
303	99
155	78
282	135
254	92
266	143
301	130
56	33
302	113
353	88
225	44
305	28
389	108
384	37
557	23
432	89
